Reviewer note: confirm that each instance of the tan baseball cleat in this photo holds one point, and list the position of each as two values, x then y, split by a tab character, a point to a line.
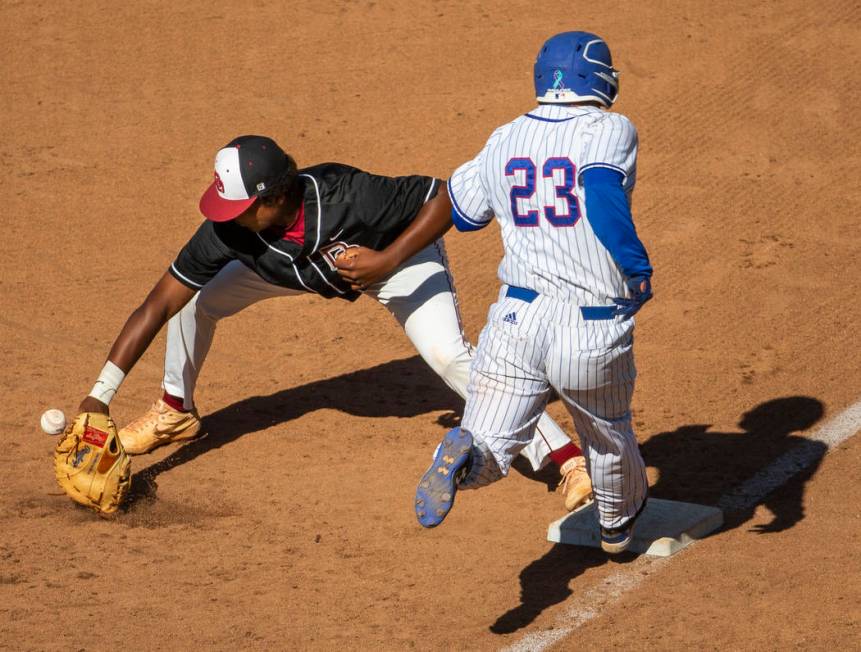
576	487
160	425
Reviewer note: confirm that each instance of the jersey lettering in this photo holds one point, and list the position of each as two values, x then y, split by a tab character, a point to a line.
530	218
572	213
331	251
527	191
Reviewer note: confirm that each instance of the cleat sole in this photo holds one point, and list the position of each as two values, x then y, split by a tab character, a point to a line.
438	486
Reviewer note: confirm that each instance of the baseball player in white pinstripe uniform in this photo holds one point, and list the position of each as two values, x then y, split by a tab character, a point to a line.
559	180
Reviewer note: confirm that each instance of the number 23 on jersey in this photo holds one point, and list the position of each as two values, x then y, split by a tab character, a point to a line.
526	190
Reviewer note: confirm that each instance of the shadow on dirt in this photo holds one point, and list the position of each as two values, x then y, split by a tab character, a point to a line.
694	463
699	465
544	583
400	388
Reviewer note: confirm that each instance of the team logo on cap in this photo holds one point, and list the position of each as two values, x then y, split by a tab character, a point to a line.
219	184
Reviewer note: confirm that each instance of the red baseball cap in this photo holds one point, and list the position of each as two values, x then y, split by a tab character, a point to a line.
244	169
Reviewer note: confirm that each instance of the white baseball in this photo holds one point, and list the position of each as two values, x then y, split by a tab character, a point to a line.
53	421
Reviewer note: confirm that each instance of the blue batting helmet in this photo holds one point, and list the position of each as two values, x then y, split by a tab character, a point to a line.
575	67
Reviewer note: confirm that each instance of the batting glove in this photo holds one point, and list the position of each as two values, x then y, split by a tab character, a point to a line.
640	288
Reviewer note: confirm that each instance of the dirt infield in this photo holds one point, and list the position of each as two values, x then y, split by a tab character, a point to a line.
291	525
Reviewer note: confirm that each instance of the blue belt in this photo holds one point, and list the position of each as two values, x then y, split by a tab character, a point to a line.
598	312
588	312
521	293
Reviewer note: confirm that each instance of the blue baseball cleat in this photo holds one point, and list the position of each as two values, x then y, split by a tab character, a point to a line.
436	490
617	539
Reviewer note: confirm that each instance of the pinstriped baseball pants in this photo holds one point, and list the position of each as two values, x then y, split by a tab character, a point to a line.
525	350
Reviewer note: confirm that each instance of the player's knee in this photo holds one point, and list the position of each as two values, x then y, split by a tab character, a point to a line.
452	364
210	305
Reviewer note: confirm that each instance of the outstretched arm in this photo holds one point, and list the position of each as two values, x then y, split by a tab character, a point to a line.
163	302
364	266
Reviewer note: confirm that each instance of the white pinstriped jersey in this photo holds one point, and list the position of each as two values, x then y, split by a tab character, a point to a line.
528	176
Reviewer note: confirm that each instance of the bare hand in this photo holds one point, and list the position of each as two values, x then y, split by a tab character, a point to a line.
363	267
91	404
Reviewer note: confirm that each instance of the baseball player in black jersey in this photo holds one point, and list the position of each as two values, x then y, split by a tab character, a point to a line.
330	229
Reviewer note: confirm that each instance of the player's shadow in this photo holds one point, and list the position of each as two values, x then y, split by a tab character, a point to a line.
764	463
400	388
545	582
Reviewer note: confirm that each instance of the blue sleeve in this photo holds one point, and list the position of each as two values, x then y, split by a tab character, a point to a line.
610	217
463	223
459	216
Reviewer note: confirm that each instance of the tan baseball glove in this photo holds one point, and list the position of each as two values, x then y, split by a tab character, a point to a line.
91	465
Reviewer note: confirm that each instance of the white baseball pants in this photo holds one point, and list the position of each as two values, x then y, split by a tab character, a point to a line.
420	294
527	348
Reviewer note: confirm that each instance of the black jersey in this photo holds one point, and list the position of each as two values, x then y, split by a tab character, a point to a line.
343	206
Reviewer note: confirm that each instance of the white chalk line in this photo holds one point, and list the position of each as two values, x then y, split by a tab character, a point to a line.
832	433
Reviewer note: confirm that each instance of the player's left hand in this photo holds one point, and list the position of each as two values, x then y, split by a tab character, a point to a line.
363	267
640	288
91	465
